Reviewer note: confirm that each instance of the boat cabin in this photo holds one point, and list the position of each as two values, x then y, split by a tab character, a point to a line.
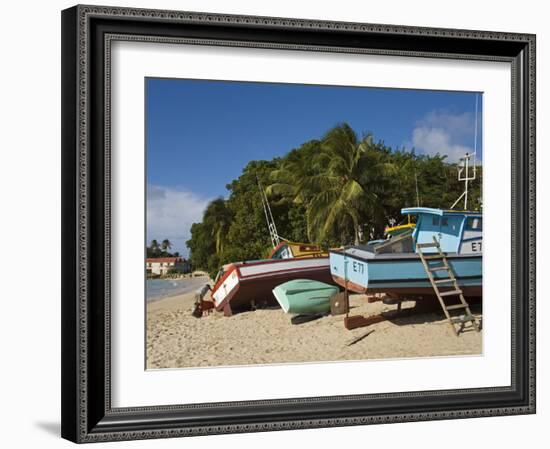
456	231
292	250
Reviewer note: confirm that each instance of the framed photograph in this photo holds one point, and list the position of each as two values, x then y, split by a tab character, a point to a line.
276	224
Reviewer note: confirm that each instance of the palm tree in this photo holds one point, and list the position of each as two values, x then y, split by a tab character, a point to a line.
165	245
391	180
154	247
341	181
290	180
219	217
339	197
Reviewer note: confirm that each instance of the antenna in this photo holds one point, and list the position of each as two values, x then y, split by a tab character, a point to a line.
416	185
475	135
464	166
275	240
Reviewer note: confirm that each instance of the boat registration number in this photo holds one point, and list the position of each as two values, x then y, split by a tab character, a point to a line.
358	267
476	247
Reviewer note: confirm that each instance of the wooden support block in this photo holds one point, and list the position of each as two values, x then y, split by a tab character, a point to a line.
339	304
227	310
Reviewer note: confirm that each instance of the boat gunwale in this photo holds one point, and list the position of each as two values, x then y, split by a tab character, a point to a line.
439	212
278	272
400	256
381	285
265	261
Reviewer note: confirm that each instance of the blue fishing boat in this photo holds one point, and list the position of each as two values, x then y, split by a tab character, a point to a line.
399	266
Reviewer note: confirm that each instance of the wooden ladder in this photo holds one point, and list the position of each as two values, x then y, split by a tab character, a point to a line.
450	280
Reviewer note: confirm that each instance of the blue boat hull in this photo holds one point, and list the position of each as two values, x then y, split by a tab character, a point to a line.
402	274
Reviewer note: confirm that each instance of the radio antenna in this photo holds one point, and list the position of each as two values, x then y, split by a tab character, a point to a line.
416	185
464	166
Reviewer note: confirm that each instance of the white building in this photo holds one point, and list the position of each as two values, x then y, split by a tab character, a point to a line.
161	265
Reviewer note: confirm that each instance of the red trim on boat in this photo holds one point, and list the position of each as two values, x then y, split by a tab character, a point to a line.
350	285
224	277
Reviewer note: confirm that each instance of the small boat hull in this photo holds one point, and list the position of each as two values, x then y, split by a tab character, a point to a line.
305	296
401	274
248	285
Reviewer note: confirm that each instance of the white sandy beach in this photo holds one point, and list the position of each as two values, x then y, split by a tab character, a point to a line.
176	339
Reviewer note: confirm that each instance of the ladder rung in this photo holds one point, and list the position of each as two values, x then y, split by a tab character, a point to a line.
441	257
427	245
462	319
441	281
443	267
457	306
451	293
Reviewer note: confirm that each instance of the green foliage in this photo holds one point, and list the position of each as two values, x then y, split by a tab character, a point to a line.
202	245
342	189
248	234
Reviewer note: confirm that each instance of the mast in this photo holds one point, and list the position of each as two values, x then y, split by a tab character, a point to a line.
275	240
464	175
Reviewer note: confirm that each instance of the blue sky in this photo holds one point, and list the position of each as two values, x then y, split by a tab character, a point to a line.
200	134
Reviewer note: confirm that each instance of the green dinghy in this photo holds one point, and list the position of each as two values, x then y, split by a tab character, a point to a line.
305	296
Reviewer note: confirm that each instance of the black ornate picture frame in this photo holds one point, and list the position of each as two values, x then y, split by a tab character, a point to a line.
87	33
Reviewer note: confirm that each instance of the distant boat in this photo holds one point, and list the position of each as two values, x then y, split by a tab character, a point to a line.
247	285
394	266
394	231
305	296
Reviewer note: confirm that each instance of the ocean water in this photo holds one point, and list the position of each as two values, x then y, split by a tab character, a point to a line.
163	288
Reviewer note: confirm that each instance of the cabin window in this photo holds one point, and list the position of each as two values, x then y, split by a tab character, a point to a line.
435	221
475	223
444	221
282	253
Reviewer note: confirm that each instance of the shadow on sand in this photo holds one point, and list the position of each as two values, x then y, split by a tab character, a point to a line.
427	311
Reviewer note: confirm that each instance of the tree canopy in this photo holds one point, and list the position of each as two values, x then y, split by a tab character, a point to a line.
342	189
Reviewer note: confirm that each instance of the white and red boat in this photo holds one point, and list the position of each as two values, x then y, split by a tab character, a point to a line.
247	285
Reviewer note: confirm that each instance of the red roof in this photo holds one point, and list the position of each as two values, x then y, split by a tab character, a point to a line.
164	259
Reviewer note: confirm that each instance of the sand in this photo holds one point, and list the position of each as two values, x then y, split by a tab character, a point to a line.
176	339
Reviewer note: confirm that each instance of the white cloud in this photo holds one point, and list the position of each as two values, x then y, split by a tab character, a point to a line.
170	214
458	125
444	133
431	141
